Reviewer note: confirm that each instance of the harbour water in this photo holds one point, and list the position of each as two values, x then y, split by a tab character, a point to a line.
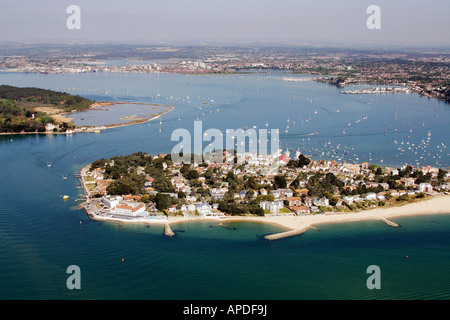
41	234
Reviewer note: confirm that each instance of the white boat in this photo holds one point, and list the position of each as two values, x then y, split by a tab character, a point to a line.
65	197
49	164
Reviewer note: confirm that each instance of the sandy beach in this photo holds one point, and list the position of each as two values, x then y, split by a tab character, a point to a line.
436	205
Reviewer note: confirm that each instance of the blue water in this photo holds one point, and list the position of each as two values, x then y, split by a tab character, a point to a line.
41	235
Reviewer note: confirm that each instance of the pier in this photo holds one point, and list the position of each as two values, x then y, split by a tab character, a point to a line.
286	234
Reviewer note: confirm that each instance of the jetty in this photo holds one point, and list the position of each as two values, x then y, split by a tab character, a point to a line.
289	233
390	223
220	224
168	230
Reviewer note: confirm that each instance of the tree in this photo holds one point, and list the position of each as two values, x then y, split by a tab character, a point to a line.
280	182
193	174
162	201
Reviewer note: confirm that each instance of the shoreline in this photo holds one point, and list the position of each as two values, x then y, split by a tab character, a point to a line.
437	205
105	127
296	225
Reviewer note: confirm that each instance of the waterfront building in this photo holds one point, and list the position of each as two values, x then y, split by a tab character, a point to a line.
130	208
111	201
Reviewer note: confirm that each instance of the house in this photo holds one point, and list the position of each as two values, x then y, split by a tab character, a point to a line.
300	210
425	187
381	196
263	192
203	208
348	199
187	208
271	206
321	201
408	182
51	127
217	193
279	193
302	192
371	196
293	201
283	160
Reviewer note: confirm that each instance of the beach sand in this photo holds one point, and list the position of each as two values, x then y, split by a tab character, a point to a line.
435	205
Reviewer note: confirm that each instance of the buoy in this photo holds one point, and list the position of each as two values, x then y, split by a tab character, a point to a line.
123	259
406	257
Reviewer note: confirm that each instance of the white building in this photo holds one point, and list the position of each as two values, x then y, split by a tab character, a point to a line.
425	187
371	196
111	201
130	208
272	207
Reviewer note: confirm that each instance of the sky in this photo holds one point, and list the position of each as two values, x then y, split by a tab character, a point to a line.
410	22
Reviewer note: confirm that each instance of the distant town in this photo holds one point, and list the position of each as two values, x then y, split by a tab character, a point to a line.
141	187
426	73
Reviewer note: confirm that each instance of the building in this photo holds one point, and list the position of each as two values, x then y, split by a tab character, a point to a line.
321	201
425	187
217	193
293	201
279	193
130	208
203	208
300	210
271	206
371	196
408	182
111	201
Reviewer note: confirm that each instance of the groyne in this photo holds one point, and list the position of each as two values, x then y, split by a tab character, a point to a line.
168	230
390	223
286	234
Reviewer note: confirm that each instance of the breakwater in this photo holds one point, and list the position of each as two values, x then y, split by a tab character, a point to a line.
286	234
168	230
390	223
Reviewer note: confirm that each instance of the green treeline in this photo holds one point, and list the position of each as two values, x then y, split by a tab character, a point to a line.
17	105
63	100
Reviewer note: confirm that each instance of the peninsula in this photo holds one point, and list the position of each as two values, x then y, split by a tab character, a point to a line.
296	195
35	110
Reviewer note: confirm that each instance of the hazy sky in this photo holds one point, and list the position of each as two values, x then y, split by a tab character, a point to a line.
156	21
